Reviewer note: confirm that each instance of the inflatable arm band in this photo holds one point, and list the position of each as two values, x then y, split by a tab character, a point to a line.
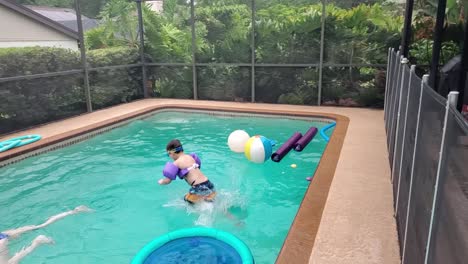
170	170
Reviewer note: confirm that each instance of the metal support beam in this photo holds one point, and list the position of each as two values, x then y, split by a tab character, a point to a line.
462	87
252	54
436	46
141	32
405	39
322	39
194	49
89	106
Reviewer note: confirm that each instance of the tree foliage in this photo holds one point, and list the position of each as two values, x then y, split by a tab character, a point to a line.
356	32
423	28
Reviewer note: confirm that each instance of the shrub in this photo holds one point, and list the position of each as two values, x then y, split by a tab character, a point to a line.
224	83
114	86
370	96
36	101
172	82
35	60
290	98
31	102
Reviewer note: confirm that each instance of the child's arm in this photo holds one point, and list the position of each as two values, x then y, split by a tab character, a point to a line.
164	181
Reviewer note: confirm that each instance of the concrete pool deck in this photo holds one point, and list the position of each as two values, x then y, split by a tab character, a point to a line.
357	223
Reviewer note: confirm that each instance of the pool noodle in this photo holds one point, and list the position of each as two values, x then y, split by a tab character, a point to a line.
286	147
325	128
303	141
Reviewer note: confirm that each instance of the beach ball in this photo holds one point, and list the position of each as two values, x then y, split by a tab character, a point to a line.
258	149
237	140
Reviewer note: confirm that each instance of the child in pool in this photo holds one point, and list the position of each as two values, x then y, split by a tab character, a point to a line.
187	167
5	236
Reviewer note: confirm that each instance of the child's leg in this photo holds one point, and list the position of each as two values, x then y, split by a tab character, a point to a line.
57	217
26	250
18	231
4	254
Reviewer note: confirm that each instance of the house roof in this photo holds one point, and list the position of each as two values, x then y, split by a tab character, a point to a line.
39	18
64	16
55	13
87	24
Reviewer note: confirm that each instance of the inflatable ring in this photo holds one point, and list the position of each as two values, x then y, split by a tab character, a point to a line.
194	238
6	145
24	140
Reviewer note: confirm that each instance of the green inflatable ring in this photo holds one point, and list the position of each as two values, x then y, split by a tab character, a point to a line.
237	244
24	140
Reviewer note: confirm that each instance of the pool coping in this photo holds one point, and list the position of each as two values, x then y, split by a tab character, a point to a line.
298	245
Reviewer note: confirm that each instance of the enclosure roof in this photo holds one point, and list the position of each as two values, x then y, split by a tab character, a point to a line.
39	18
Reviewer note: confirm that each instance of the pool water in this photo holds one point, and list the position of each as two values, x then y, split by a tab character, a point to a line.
116	174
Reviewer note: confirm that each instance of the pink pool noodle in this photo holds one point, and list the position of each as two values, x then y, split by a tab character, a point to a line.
303	141
286	147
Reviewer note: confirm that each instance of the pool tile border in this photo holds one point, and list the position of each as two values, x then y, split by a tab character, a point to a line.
298	245
299	242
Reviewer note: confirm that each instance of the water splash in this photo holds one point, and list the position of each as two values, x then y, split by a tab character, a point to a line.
228	204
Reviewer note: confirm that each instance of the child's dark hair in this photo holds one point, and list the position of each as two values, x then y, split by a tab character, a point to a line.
174	145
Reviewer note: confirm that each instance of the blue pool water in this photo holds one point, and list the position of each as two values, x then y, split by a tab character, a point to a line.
116	173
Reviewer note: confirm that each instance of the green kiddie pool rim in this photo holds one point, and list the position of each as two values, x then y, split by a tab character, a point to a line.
233	241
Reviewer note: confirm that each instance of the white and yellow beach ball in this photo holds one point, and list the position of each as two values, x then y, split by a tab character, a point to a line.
237	140
258	149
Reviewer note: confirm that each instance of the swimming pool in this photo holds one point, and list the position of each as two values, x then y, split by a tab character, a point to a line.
116	174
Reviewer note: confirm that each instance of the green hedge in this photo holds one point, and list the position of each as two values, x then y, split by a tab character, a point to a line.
114	86
26	103
35	60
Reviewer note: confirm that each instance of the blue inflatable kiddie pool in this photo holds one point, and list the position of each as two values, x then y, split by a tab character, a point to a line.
195	245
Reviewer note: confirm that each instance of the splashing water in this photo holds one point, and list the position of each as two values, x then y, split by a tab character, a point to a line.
227	204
